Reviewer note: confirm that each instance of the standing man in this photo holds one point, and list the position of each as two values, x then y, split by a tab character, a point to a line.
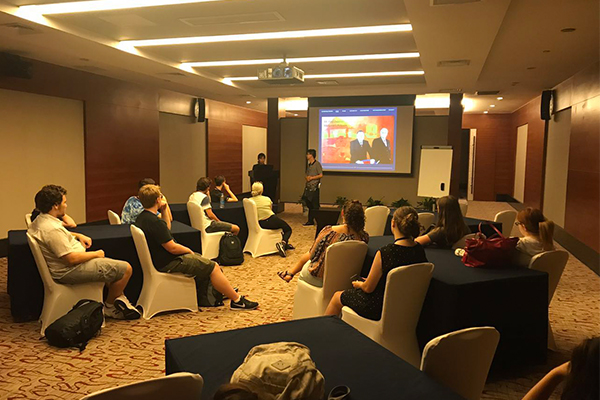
381	148
359	148
314	173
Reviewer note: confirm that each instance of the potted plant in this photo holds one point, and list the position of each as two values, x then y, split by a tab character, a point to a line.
428	203
371	202
401	203
340	201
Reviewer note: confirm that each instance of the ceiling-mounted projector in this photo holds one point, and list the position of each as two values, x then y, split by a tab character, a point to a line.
283	74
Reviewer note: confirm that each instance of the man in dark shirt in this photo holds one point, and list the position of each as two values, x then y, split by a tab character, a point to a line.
381	151
169	256
359	148
221	187
314	173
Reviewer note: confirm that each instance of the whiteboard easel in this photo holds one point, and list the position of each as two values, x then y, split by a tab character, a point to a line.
435	171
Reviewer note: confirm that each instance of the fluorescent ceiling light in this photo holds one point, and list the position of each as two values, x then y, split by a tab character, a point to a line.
492	105
485	112
361	30
359	57
98	5
500	98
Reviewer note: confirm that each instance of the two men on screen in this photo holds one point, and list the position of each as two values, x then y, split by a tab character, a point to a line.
379	152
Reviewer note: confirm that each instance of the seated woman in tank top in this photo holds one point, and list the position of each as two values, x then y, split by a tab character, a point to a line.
450	227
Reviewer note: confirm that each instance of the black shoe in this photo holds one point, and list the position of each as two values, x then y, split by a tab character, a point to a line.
126	309
243	304
289	247
281	249
309	223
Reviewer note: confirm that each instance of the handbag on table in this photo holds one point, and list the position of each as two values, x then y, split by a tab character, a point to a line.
495	251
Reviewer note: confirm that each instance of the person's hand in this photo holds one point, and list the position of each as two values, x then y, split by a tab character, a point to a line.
562	370
86	241
308	178
100	253
225	185
358	284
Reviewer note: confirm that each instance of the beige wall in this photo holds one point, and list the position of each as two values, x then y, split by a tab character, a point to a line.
428	131
182	155
41	142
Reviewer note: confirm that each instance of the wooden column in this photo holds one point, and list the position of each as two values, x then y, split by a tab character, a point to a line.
454	140
274	138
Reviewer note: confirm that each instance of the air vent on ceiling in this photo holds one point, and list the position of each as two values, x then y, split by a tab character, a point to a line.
454	63
487	92
329	82
20	28
257	18
447	2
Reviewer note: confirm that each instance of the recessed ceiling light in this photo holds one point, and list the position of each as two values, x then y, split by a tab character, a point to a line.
500	98
485	112
97	5
492	105
343	75
568	30
295	115
360	30
359	57
248	102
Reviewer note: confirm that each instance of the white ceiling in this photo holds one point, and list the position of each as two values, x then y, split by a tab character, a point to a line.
500	38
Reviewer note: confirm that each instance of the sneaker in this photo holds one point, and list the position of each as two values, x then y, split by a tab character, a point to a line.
289	247
123	306
243	304
281	249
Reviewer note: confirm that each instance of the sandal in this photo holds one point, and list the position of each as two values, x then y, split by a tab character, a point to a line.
285	274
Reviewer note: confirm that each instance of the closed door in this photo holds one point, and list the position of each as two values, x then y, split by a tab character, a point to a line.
520	162
254	141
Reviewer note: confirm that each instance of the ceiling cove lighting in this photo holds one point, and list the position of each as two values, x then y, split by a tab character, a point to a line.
266	61
230	80
360	30
98	5
432	101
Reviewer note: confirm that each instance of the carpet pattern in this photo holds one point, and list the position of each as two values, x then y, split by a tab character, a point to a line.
129	351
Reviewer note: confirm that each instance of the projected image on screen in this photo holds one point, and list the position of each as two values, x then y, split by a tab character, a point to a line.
358	138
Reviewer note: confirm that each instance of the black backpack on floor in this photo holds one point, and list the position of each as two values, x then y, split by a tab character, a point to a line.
230	250
208	296
78	326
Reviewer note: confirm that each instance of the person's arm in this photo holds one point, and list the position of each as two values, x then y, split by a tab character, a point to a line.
232	197
176	248
545	387
210	214
375	274
68	222
76	258
423	240
165	213
86	241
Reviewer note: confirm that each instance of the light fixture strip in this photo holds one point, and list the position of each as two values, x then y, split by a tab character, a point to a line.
359	57
361	30
100	5
344	75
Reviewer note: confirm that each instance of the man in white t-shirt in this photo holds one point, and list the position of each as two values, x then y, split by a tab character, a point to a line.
211	222
67	258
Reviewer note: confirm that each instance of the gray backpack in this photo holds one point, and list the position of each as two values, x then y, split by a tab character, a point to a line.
283	371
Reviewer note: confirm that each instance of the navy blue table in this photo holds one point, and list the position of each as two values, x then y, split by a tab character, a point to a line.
25	285
514	300
342	354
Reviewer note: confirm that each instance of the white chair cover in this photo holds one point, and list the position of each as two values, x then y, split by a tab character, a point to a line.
426	219
507	219
376	219
464	206
113	218
210	241
260	241
28	220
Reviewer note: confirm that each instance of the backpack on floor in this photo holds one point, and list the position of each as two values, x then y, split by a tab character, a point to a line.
78	326
208	296
230	250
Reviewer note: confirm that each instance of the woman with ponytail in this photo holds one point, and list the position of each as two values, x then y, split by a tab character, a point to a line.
537	232
366	298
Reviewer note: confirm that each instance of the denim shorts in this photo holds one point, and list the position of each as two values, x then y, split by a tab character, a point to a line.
95	270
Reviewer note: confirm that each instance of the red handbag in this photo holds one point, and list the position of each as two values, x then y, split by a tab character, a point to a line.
495	251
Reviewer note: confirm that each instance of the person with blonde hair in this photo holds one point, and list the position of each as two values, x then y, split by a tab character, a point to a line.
538	234
366	297
268	220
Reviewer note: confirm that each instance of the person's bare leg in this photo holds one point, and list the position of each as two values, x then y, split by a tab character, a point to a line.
235	230
335	305
295	269
115	289
222	285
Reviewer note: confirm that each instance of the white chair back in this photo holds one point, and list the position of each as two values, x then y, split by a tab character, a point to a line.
141	247
196	214
180	386
376	219
28	220
251	215
426	219
42	265
461	360
260	241
507	219
553	263
464	206
210	241
342	261
113	218
461	243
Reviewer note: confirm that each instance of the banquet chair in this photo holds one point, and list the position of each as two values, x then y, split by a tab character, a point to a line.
161	291
28	220
113	218
553	263
342	261
507	219
426	219
60	298
260	241
180	386
375	220
464	206
461	360
210	241
462	242
403	299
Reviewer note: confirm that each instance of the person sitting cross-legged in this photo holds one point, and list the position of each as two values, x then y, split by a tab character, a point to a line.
212	223
169	256
67	257
268	220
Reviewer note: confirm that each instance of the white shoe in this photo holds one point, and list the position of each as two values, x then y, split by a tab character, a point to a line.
122	309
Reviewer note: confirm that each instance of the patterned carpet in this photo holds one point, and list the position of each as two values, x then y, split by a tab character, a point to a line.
131	351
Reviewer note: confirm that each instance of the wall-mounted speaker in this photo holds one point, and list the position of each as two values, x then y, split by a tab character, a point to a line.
547	107
200	110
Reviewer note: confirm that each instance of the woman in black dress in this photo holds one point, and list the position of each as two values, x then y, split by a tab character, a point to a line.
366	298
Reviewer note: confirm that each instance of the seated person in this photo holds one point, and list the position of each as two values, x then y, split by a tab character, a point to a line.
353	228
580	375
67	221
268	220
366	298
222	188
133	207
169	256
211	221
450	227
67	258
538	233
